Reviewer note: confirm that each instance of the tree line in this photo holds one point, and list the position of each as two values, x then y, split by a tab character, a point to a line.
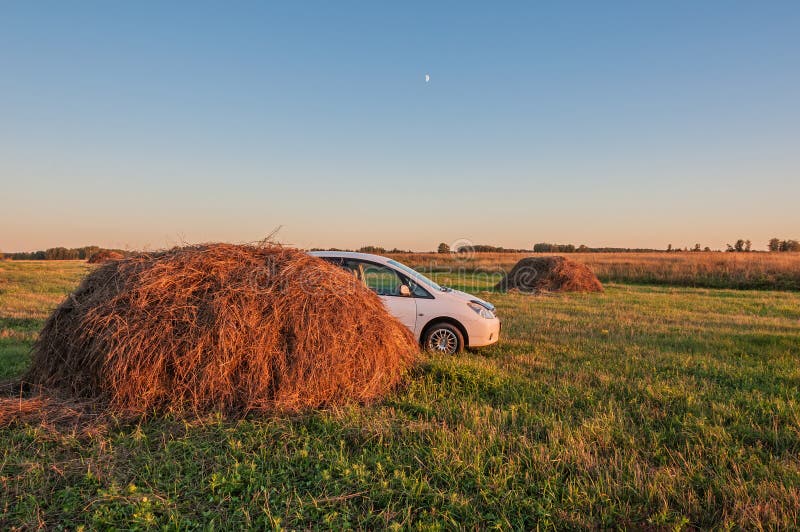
544	247
741	245
59	253
776	244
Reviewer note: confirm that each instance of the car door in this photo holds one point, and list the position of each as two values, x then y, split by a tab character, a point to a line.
386	282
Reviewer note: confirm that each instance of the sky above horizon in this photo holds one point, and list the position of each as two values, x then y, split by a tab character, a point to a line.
633	124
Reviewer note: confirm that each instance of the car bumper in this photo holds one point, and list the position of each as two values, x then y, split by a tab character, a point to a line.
484	332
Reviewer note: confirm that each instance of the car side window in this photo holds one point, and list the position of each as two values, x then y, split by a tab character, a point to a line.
380	279
352	267
417	290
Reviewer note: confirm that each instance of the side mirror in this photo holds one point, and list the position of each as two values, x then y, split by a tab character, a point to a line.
405	290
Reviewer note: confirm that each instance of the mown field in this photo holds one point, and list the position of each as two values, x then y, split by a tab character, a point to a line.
644	406
762	271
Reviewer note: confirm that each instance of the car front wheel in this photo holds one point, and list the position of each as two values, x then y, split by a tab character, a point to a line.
444	338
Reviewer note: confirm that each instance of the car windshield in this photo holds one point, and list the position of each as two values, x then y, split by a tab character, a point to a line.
414	274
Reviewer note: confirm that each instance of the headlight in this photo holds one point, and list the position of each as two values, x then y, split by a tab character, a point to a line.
482	311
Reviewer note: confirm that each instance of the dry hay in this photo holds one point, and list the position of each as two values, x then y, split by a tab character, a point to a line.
221	327
51	414
105	255
549	274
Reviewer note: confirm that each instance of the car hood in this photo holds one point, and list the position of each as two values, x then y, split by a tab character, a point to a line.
463	296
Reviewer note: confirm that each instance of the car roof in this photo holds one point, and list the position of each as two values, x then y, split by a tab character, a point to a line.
350	255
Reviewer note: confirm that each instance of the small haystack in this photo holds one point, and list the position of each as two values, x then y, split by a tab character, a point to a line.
549	274
105	255
221	327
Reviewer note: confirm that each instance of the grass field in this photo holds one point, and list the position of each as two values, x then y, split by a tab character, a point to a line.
763	271
644	406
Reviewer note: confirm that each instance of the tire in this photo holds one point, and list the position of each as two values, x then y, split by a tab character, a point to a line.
443	338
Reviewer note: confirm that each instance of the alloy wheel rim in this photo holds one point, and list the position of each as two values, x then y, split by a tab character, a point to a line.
443	341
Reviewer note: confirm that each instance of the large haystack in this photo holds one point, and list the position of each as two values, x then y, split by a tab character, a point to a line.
550	274
221	327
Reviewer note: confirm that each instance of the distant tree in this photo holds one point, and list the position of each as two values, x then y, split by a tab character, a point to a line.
60	253
696	247
669	248
582	249
748	246
543	247
443	248
739	246
730	248
783	245
706	248
372	249
790	245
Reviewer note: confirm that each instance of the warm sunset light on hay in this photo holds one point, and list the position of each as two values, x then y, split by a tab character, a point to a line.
221	327
550	274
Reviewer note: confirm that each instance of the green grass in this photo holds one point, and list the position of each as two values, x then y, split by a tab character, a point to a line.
643	406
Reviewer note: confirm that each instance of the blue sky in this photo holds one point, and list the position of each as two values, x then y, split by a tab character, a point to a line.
148	124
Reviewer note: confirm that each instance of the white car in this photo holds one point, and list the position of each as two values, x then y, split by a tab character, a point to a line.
442	319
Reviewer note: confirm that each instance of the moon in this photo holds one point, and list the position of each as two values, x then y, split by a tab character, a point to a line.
427	78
